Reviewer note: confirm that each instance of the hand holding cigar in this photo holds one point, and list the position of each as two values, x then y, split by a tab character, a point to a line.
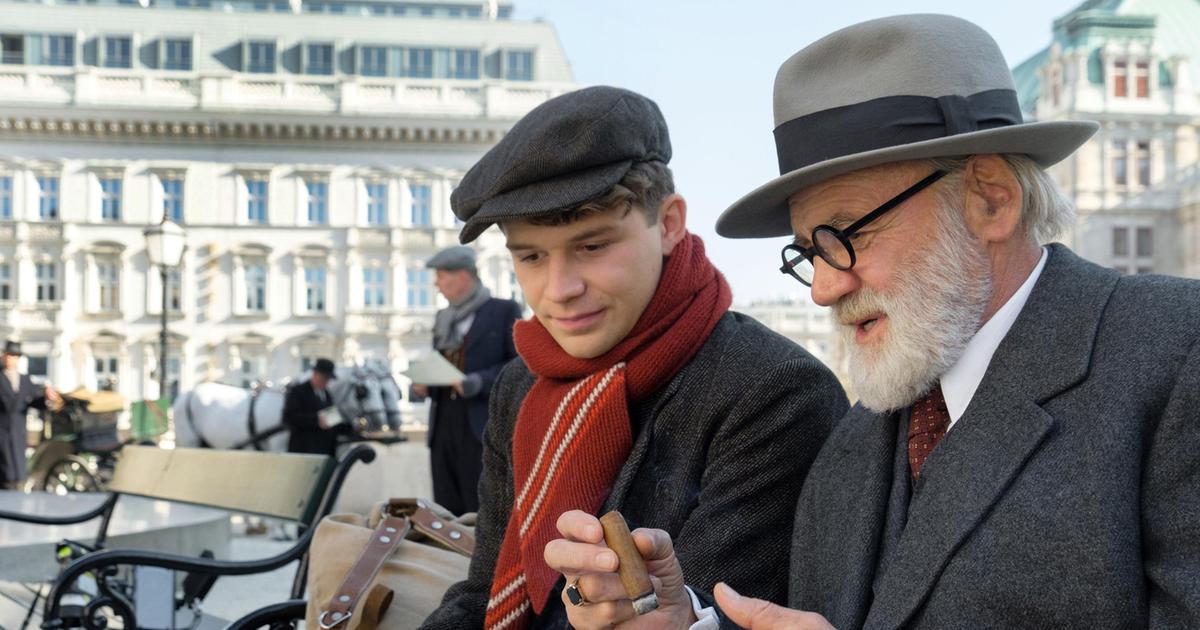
635	575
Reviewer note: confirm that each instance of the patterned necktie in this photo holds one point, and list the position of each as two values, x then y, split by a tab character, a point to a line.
926	426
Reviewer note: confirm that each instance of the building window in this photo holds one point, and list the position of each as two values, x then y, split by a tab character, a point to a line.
420	288
1143	163
177	54
1141	79
47	281
420	63
175	290
108	274
252	370
256	287
12	49
47	196
110	199
59	50
1120	79
6	283
374	288
1145	242
420	205
6	197
373	61
256	201
1120	241
314	289
1120	163
108	370
518	65
261	57
118	52
39	366
319	59
377	203
172	188
466	64
318	201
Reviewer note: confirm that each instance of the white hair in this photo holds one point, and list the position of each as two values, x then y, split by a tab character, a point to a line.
1046	212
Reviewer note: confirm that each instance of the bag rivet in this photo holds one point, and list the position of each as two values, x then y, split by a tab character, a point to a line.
455	535
384	539
344	598
391	530
437	525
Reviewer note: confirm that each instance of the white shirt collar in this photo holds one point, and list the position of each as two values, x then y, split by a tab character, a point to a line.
960	381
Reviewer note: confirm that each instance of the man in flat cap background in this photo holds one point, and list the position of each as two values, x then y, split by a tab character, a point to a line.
636	389
17	395
1023	452
474	333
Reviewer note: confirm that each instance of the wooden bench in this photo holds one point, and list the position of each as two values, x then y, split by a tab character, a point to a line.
292	487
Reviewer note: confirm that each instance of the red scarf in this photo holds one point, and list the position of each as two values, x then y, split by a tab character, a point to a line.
573	432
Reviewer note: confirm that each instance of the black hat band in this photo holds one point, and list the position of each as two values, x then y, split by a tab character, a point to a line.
888	122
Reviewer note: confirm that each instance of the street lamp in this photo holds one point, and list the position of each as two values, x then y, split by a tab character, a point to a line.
164	248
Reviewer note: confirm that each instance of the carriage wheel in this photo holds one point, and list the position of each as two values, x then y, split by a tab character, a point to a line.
70	474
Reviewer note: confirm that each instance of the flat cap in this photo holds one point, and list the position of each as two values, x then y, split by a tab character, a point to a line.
456	257
566	151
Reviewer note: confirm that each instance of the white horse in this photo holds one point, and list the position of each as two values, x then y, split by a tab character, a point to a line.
224	416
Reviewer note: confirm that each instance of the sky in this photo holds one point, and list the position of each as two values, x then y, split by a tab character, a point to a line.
711	66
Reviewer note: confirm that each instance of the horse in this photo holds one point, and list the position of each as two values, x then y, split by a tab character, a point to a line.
228	417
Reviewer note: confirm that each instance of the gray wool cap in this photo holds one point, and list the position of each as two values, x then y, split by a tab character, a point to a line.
566	151
451	258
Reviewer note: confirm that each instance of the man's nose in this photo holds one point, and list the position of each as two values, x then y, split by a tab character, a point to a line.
564	282
830	284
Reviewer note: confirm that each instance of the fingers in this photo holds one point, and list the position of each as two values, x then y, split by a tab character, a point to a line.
757	614
575	558
580	526
653	544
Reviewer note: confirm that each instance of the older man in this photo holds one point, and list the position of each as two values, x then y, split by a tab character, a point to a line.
475	334
1023	453
17	395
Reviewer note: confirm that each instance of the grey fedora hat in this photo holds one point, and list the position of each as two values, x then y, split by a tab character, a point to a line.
900	88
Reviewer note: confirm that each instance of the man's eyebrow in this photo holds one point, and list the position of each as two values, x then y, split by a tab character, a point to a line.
583	236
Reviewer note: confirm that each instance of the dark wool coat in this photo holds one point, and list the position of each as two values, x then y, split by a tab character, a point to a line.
13	405
300	407
718	459
1066	496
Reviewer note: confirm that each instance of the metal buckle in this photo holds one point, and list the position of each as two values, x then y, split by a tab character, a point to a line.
338	619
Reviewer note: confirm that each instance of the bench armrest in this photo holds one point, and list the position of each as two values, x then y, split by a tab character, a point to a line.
70	519
283	612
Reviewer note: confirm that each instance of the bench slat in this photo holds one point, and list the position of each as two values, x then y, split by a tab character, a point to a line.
281	485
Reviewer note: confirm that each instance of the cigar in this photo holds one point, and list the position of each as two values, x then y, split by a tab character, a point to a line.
631	568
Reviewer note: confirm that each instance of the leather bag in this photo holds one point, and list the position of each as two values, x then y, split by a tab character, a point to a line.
387	571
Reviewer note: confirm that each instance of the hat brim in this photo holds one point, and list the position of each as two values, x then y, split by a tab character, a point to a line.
764	212
545	197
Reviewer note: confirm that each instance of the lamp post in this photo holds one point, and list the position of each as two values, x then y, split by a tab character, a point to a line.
164	247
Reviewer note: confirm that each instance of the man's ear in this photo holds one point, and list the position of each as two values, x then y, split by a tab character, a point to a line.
672	221
993	199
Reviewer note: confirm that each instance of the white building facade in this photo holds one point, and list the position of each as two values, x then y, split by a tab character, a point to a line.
308	150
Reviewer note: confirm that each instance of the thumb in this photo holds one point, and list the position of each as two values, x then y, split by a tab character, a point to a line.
748	612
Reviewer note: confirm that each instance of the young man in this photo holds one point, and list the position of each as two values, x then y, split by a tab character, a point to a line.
475	334
635	389
1023	453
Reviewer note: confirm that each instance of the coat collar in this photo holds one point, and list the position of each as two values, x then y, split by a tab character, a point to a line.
1047	351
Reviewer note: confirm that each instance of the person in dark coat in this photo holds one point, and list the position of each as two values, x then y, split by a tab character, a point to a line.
1023	453
475	335
303	413
17	394
636	388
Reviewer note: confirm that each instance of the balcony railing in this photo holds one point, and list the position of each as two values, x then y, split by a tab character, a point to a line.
266	93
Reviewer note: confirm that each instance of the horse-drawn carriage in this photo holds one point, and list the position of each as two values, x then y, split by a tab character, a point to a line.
79	440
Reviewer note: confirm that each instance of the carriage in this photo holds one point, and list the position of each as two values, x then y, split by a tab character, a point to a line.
79	441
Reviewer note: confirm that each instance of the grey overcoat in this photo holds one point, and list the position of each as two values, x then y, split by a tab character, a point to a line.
1067	495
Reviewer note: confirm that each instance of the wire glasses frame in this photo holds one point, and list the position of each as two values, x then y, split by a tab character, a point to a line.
833	245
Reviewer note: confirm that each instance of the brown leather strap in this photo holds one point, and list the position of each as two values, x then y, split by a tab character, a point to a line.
444	532
392	529
377	602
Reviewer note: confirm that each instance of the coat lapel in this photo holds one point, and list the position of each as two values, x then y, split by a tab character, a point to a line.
1047	351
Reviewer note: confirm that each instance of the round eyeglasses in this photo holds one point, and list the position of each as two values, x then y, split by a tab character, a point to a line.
833	245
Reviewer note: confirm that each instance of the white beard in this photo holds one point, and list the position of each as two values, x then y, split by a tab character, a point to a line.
933	311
